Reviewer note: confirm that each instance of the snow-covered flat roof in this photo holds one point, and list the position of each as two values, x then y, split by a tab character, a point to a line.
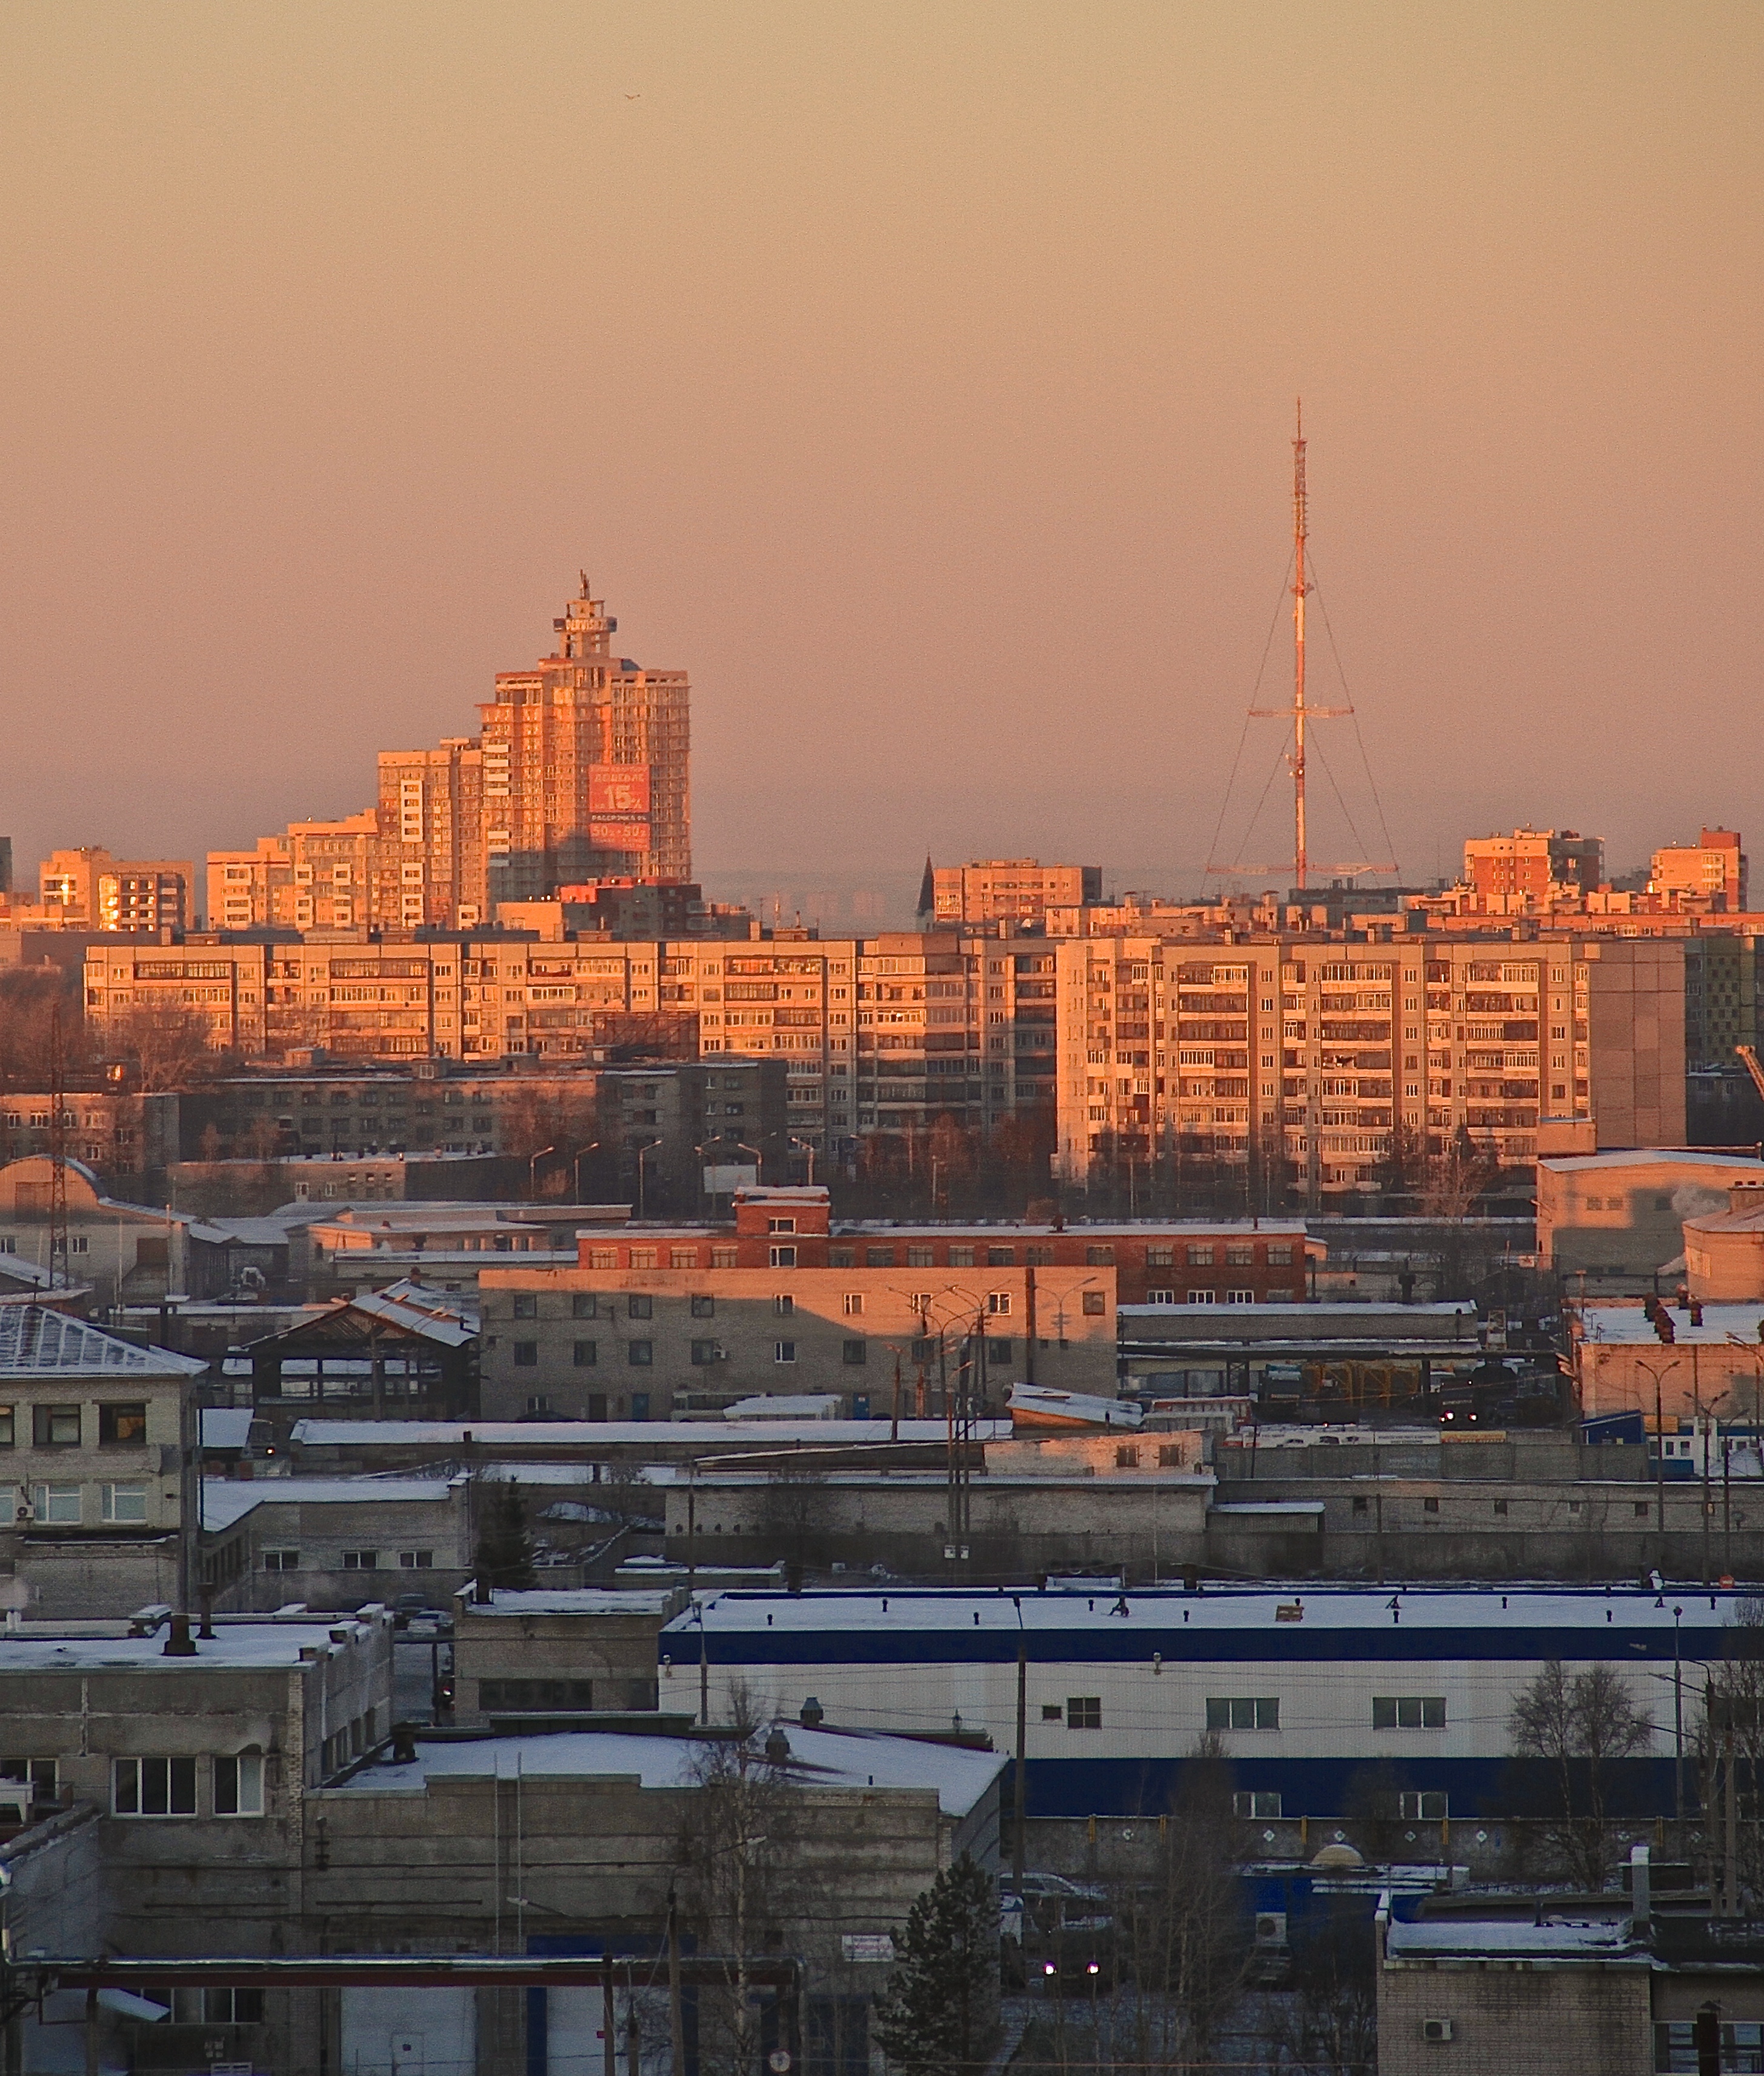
818	1758
226	1500
1449	1617
1628	1325
226	1426
237	1645
572	1601
716	1433
1605	1939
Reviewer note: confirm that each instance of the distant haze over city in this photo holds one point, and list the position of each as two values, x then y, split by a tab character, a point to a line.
920	380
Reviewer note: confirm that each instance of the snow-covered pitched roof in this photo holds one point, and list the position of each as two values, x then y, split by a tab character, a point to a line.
1646	1156
35	1342
226	1500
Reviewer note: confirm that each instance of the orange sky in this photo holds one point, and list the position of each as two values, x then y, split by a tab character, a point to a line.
918	376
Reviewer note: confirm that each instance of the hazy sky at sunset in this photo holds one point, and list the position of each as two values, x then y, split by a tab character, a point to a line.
919	376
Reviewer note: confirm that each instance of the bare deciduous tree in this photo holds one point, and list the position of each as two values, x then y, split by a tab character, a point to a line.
735	1849
169	1045
1184	1943
1730	1734
1582	1726
28	995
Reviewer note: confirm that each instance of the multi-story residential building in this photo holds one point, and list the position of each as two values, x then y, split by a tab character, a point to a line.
224	983
1713	870
1013	891
422	1109
431	827
1535	863
252	889
1720	997
1306	1066
95	891
692	1318
414	862
584	767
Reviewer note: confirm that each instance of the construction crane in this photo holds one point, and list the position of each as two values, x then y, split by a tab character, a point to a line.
1748	1056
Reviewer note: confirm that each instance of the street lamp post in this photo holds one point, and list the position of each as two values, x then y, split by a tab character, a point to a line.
533	1169
575	1165
1648	1369
1678	1717
642	1199
810	1151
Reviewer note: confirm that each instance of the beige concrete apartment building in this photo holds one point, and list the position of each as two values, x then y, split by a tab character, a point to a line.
585	765
1315	1054
431	825
1535	862
1713	871
89	889
1011	890
223	985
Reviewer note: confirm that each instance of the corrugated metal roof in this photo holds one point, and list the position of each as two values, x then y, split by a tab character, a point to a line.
35	1342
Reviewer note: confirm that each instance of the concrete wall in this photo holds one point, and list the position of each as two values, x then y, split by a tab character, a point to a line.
320	1532
79	1579
1018	1527
612	1649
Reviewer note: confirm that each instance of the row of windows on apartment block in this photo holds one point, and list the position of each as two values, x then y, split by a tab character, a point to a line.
1262	1712
640	1355
641	1304
783	1255
349	1560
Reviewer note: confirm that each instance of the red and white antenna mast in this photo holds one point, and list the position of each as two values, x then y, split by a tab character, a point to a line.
1301	713
1301	860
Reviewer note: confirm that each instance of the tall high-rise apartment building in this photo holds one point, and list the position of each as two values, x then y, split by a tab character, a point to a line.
584	771
432	836
581	775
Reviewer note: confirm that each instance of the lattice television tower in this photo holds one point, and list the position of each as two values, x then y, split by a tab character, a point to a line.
1301	712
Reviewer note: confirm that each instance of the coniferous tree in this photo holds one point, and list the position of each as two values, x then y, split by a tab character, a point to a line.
937	2016
504	1555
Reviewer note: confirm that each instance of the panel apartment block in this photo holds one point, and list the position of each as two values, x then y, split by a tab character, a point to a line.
1314	1055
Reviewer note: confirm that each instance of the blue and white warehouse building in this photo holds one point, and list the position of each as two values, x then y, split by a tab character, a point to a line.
1308	1691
